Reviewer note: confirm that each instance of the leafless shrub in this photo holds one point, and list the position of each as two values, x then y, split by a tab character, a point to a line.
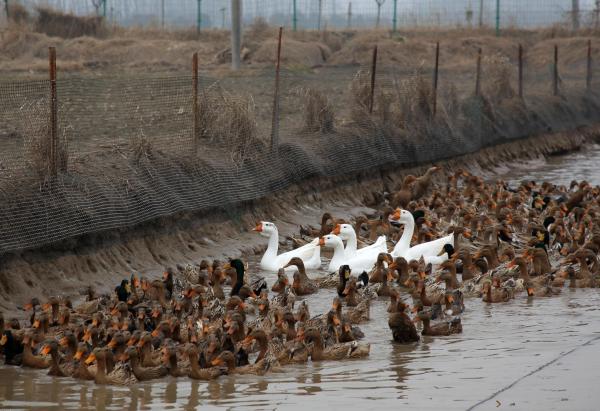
66	25
318	111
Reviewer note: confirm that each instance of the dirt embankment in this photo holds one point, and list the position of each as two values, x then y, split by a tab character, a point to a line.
24	48
104	259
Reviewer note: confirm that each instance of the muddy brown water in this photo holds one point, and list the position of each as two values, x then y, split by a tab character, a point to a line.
533	354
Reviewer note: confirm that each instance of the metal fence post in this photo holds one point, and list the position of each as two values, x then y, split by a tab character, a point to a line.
195	102
6	9
436	76
395	17
478	75
520	71
555	71
295	16
588	78
53	112
275	120
373	75
199	17
236	33
497	18
349	18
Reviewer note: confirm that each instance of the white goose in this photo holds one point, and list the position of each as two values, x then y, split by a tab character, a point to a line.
357	263
309	253
403	249
346	232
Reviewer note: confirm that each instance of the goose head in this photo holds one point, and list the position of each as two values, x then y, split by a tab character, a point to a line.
345	231
400	217
265	228
330	241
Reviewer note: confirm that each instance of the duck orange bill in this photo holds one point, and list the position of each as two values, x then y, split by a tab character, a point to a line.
217	361
28	306
422	274
63	342
112	344
78	355
336	320
529	291
450	299
258	228
140	344
261	307
467	234
407	283
155	333
90	359
322	241
247	340
511	264
36	324
46	306
3	340
337	230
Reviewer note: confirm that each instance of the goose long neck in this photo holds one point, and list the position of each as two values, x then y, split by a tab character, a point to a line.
351	243
273	246
404	243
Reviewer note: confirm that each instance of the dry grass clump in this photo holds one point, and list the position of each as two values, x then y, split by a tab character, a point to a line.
141	147
66	25
318	113
229	122
360	94
497	84
36	140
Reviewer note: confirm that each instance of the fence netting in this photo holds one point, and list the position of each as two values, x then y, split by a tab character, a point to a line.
133	148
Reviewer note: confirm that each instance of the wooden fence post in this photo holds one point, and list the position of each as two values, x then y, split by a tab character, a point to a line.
435	77
275	120
53	143
373	76
555	71
478	75
520	71
196	114
588	78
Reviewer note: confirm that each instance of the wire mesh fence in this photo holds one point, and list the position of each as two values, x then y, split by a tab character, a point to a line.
132	148
317	14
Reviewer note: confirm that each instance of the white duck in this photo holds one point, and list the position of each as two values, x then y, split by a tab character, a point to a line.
403	249
357	264
346	232
309	253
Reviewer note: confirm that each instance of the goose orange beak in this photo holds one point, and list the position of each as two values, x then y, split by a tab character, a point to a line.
258	228
45	350
78	355
217	361
321	241
337	230
529	291
3	340
396	215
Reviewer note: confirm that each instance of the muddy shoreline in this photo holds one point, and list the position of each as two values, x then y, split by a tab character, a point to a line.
103	259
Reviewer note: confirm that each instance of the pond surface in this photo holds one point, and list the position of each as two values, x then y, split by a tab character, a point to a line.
539	354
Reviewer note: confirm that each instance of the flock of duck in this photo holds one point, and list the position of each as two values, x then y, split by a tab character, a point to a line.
427	248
